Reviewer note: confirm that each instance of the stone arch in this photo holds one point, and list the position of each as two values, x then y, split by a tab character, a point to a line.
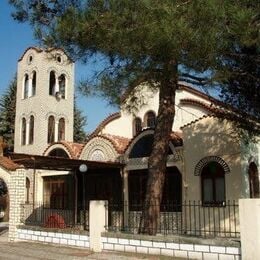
54	147
98	146
136	139
4	198
204	161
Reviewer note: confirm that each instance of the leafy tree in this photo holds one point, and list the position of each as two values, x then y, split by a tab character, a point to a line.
7	114
79	122
145	41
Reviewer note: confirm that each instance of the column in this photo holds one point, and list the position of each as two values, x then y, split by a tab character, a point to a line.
17	197
125	197
56	131
27	131
97	222
57	87
249	212
30	87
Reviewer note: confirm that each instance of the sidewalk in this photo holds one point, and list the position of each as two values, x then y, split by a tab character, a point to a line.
26	250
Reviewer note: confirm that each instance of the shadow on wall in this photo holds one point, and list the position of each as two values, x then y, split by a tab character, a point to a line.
212	136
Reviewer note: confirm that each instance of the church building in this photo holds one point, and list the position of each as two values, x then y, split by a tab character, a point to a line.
208	160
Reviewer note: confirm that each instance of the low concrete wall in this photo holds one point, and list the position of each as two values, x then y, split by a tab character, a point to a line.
202	250
188	248
71	239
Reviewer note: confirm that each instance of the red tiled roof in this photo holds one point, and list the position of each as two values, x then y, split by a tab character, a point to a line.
8	164
74	149
119	143
105	122
208	107
176	138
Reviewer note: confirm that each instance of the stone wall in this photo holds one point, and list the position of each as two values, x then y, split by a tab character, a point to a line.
17	194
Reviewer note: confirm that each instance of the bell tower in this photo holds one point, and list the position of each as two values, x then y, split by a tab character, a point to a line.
44	100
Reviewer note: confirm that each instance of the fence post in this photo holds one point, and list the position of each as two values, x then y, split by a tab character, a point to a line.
97	222
17	196
249	212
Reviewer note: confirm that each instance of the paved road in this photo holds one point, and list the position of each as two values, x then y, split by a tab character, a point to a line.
40	251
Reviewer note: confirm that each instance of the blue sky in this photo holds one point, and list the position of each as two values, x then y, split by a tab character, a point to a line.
15	38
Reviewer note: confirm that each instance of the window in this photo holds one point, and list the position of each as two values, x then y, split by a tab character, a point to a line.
137	126
52	82
62	85
31	130
26	86
58	192
150	119
51	129
213	184
172	190
61	130
253	181
34	83
27	190
23	134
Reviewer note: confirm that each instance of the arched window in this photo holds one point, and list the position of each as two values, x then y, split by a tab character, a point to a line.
31	130
26	86
52	82
34	83
150	119
62	85
213	184
51	129
23	134
253	181
137	126
61	130
27	190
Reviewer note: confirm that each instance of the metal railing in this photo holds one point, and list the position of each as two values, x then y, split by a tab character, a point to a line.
48	217
190	218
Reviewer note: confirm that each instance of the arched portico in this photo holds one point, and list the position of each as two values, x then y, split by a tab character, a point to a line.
136	170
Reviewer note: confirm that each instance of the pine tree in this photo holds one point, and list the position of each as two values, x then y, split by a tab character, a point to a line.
145	41
80	121
241	88
7	114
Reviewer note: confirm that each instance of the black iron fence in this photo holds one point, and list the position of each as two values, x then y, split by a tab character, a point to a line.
190	218
45	216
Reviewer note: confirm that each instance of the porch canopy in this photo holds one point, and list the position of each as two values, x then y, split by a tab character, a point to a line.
58	163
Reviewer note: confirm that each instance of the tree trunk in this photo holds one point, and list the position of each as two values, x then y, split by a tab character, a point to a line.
158	158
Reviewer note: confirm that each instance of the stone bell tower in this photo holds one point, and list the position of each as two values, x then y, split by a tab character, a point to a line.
44	100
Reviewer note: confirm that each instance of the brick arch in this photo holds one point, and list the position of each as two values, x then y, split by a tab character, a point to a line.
61	146
204	161
99	143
